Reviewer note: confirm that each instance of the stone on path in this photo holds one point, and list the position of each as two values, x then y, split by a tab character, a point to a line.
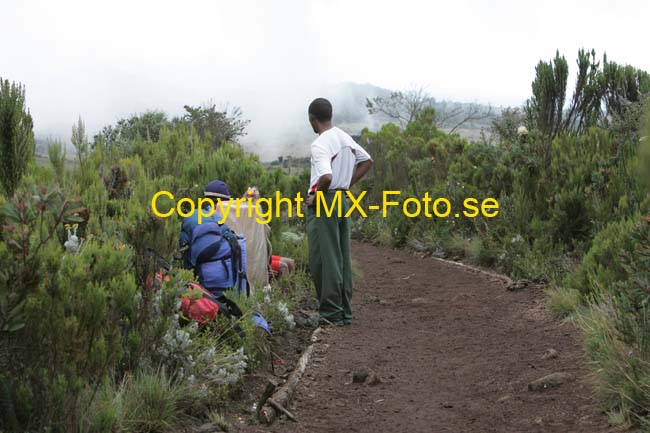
551	381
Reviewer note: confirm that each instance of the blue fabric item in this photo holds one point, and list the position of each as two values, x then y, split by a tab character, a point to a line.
217	189
211	256
217	293
207	251
208	242
187	227
242	245
261	322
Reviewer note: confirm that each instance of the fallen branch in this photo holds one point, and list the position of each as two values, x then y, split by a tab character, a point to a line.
501	277
278	402
278	406
271	386
511	284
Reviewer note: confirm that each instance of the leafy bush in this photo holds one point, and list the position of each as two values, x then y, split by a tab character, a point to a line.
601	267
104	349
56	155
622	374
16	135
616	332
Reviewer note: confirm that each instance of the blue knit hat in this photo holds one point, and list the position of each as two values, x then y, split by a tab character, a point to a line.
217	189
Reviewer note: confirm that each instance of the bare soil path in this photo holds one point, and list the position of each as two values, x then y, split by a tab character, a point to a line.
454	351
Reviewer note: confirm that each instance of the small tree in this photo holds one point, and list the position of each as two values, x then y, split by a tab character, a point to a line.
643	153
403	106
16	135
545	108
56	154
604	92
221	126
80	142
451	116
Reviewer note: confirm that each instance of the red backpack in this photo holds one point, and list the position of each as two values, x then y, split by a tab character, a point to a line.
198	304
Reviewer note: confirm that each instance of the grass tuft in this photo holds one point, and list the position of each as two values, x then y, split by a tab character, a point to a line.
564	301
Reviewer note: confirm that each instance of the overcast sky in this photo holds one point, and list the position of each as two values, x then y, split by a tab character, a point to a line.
105	60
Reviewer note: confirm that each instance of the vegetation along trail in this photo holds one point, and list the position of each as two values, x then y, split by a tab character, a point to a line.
446	349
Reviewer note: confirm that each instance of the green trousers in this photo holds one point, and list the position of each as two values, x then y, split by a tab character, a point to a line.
330	262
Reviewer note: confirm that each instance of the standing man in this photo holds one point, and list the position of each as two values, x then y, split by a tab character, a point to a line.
337	162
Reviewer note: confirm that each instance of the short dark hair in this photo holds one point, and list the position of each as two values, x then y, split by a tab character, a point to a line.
321	109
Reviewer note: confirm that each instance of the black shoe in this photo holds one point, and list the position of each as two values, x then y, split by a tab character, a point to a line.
347	322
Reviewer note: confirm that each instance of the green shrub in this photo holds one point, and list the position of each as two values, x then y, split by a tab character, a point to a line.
570	220
642	162
621	374
56	155
601	267
16	136
153	402
217	418
373	228
631	295
102	408
457	246
616	334
483	251
563	301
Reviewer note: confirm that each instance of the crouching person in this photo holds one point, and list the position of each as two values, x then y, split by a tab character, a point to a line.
281	266
215	253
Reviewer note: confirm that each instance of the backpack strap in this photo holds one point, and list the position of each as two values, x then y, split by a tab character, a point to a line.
184	244
232	311
237	262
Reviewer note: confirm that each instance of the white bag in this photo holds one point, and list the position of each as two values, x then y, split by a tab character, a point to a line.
256	234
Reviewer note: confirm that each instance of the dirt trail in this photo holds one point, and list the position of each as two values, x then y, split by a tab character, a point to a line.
455	352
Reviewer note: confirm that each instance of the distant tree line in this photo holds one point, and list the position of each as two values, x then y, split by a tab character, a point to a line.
217	126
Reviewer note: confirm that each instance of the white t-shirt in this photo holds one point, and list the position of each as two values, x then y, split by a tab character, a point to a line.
347	153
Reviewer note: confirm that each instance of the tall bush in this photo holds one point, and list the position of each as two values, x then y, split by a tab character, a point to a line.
16	135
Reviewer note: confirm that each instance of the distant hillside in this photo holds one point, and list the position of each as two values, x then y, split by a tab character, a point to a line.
280	127
40	146
351	115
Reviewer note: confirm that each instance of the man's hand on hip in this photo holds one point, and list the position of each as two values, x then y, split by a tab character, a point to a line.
310	200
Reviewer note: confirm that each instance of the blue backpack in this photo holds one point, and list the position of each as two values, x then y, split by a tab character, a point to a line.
218	257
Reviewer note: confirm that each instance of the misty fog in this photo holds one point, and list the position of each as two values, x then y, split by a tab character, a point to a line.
107	60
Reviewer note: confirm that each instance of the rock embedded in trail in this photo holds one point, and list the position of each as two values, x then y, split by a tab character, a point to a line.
550	381
306	319
504	398
368	377
209	428
359	376
518	285
373	379
515	286
395	261
550	354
